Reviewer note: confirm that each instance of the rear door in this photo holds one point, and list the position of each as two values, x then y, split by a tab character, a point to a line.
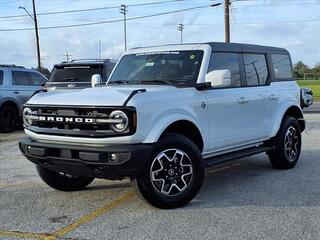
21	86
260	100
241	114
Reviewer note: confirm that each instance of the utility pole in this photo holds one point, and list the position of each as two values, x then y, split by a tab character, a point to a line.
180	28
37	33
124	11
34	18
67	56
227	4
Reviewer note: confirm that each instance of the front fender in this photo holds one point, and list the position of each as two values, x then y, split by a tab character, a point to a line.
158	128
280	112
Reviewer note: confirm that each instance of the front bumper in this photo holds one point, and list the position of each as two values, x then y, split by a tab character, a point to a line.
112	162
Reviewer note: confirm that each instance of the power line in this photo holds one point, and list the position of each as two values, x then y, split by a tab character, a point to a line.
92	9
190	24
301	2
8	2
305	2
111	21
61	12
238	23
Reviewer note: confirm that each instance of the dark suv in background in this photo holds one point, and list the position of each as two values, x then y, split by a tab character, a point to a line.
17	85
77	74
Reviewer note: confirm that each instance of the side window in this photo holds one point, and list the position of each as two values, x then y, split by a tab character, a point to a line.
36	79
1	77
20	78
230	61
256	69
281	66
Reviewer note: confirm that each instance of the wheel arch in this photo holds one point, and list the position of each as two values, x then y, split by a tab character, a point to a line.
289	110
187	129
10	102
184	126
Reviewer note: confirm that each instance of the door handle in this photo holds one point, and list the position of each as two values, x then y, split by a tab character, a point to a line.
16	92
242	100
272	97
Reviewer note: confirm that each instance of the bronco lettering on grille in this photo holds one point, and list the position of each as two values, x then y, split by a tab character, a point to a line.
66	119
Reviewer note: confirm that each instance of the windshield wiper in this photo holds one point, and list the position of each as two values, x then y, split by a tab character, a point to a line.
158	81
119	82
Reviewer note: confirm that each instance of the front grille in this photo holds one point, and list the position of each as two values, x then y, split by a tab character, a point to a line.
77	121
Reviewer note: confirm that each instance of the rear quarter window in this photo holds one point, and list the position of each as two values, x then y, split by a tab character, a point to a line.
36	79
281	66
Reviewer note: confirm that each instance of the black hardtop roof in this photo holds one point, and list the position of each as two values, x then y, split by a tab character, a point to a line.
239	47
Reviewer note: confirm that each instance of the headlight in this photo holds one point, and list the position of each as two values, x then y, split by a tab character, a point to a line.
119	115
27	116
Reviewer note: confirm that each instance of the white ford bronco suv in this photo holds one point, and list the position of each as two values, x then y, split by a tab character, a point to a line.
166	114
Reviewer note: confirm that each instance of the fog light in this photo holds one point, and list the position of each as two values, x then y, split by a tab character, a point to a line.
118	157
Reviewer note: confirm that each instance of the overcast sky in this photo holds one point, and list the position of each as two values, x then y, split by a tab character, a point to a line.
292	24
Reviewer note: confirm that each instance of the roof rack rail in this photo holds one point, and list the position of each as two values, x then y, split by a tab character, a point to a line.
11	65
90	59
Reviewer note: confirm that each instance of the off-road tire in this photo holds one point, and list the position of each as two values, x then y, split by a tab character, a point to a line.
176	145
289	136
61	182
8	119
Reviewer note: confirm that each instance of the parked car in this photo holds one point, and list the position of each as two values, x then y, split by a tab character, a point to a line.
306	97
77	74
166	114
17	84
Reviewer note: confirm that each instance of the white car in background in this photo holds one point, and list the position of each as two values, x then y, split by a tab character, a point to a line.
306	97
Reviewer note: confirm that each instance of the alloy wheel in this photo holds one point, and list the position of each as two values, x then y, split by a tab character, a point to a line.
171	172
291	142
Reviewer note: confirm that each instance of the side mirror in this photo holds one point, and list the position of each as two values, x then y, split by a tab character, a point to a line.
43	86
95	80
219	78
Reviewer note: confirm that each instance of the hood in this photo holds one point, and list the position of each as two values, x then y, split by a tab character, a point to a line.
99	96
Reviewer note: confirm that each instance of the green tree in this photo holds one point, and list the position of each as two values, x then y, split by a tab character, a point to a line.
44	71
300	68
316	70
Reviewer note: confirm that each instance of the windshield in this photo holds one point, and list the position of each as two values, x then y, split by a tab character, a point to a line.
179	68
75	73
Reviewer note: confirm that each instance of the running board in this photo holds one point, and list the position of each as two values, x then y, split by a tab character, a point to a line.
235	155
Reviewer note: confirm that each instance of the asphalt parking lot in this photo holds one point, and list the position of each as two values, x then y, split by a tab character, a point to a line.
246	199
